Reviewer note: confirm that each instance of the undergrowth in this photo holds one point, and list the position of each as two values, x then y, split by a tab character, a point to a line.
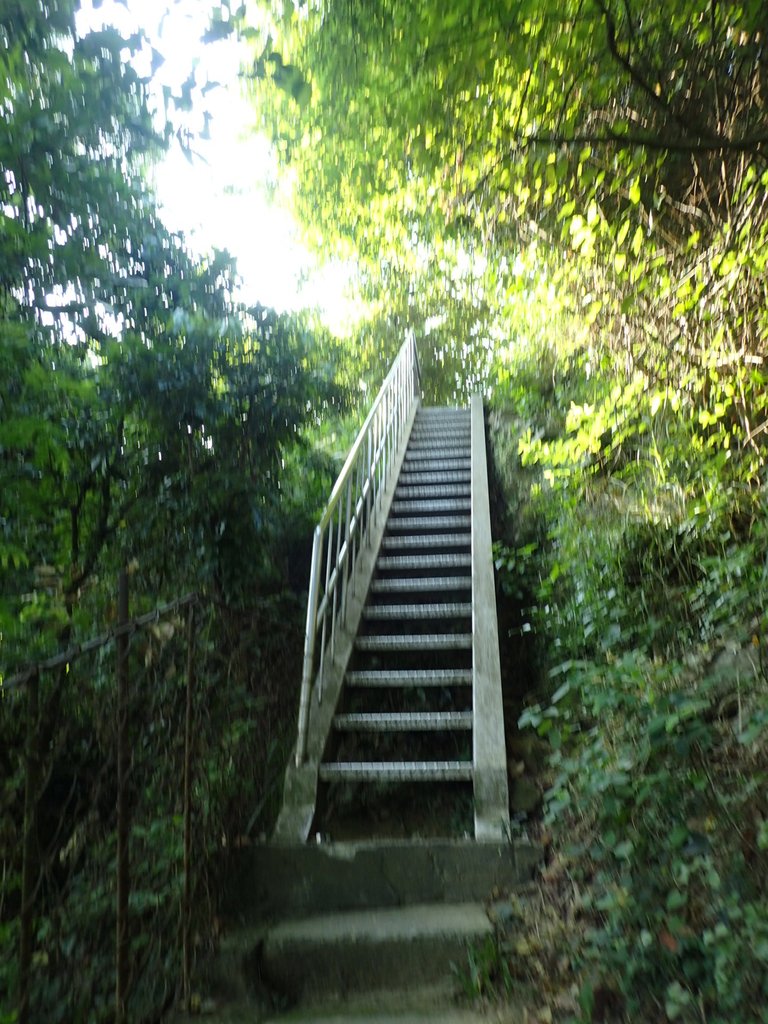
641	551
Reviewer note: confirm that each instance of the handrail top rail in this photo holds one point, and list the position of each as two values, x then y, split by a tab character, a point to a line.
346	469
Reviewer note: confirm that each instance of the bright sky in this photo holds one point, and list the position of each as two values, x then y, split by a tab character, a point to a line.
220	199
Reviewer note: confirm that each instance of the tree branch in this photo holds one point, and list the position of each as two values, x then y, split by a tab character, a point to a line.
754	144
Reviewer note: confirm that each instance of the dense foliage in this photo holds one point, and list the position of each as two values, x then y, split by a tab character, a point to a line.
572	197
147	422
567	202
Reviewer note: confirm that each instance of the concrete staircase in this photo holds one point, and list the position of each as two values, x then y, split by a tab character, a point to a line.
367	932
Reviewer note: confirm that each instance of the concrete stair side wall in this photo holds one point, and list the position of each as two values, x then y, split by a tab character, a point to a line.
489	771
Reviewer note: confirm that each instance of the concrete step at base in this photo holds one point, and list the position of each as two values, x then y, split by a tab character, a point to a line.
402	1012
300	879
368	950
438	1003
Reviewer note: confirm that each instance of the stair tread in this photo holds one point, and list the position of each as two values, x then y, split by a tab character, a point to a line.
444	610
397	771
383	924
404	721
431	561
416	477
424	448
423	506
432	540
409	677
429	523
436	490
415	641
442	430
421	454
421	584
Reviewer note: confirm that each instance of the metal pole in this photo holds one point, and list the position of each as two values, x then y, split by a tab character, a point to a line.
309	645
186	909
348	560
29	871
123	825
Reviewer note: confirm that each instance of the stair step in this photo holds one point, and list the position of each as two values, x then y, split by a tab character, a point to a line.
419	505
449	443
423	457
443	462
267	881
447	610
418	451
368	950
418	721
436	490
435	412
429	540
396	771
429	523
458	430
424	584
435	561
426	677
439	447
416	642
437	476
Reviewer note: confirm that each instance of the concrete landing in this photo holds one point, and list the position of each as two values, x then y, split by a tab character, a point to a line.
267	881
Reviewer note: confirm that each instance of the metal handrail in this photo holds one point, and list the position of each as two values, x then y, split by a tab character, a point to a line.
345	524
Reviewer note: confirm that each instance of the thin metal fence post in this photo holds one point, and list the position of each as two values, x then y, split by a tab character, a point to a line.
30	867
186	909
123	825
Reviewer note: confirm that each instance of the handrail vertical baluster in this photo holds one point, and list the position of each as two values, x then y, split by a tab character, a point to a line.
309	643
348	554
324	633
372	480
337	582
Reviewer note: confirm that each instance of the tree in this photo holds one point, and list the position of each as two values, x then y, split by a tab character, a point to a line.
624	144
147	421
